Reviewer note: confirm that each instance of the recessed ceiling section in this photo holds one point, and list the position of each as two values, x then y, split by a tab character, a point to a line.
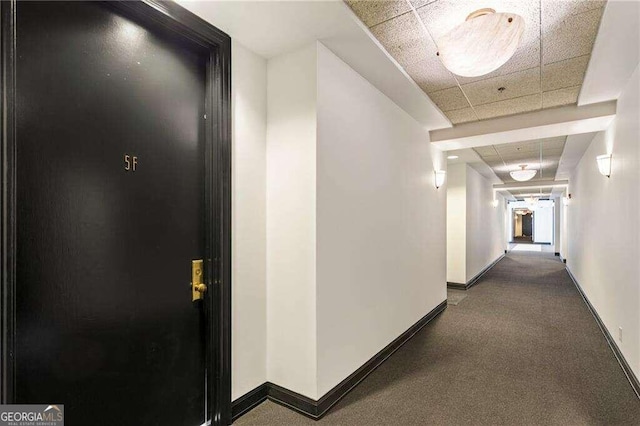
547	69
542	155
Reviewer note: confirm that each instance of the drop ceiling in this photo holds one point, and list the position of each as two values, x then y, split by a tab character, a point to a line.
542	155
546	71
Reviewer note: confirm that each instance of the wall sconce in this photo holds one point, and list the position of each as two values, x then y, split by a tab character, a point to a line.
495	203
604	164
565	201
439	178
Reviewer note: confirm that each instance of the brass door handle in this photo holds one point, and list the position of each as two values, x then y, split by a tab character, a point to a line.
198	288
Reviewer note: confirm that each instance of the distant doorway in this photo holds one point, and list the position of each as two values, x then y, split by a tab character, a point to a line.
522	226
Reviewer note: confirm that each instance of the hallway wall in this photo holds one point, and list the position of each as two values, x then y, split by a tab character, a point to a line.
355	225
485	223
475	228
457	223
248	246
603	236
291	220
380	221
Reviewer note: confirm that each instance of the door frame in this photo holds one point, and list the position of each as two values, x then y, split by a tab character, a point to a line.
166	17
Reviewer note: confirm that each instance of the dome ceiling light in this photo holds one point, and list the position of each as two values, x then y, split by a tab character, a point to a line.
482	43
523	174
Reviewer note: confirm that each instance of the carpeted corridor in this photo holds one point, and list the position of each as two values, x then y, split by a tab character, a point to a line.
521	348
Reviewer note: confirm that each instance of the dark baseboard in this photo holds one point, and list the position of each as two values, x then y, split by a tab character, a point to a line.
295	401
316	409
456	286
249	400
473	281
633	380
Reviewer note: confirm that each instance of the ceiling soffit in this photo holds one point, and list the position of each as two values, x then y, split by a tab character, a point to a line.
546	71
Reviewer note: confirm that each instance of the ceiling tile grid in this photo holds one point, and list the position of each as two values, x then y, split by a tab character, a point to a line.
546	71
508	157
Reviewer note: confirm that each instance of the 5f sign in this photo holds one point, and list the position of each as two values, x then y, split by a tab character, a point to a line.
130	162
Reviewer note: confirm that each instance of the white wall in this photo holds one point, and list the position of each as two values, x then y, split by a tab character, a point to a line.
350	244
291	221
485	223
380	222
249	331
564	238
602	223
557	224
457	223
475	228
543	222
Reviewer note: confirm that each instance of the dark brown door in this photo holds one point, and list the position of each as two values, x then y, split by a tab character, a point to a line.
110	196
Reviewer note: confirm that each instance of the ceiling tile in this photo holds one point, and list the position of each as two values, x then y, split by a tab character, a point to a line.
375	12
486	150
492	158
554	11
565	96
519	150
463	115
449	99
554	143
404	39
528	158
569	28
516	85
571	37
510	106
428	72
419	3
494	162
425	76
568	73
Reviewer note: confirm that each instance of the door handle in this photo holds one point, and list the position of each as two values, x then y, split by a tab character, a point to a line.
198	288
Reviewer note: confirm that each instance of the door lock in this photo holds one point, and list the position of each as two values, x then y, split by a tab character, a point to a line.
198	288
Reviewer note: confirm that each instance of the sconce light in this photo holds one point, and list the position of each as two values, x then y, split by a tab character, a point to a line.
565	201
439	177
604	164
495	203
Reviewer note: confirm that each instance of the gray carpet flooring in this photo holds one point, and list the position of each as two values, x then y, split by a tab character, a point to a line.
522	349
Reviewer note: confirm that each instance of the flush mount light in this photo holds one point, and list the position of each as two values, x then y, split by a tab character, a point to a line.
523	174
604	164
531	201
482	43
452	157
439	178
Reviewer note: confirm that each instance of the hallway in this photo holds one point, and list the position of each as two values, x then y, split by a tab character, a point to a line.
521	348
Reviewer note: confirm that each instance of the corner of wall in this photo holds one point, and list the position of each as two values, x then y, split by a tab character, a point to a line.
249	334
291	218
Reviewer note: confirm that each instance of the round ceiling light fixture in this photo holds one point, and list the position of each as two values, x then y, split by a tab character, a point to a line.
482	43
523	174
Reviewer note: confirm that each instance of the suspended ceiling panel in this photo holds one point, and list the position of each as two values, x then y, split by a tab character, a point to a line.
541	154
547	69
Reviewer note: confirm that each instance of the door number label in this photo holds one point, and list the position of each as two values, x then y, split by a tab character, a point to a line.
130	162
